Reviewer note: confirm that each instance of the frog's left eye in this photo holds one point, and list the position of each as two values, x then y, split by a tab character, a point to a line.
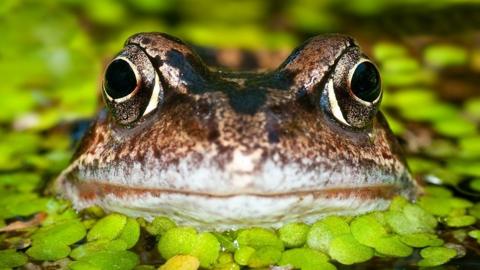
365	81
121	79
353	90
131	86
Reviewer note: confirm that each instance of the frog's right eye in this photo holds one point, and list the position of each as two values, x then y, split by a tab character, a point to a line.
353	91
121	79
131	86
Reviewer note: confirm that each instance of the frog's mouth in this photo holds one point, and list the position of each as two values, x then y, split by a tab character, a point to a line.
93	190
208	211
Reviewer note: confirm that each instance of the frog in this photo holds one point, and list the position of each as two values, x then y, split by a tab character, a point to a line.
222	149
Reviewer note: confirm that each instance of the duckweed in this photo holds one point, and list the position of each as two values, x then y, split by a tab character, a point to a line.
469	147
52	242
96	246
186	241
323	231
130	233
392	246
445	55
347	240
455	127
419	240
107	228
226	262
258	238
472	107
243	254
475	184
181	262
347	250
294	234
159	226
9	258
206	249
445	148
460	221
264	256
305	259
109	259
177	241
433	256
383	51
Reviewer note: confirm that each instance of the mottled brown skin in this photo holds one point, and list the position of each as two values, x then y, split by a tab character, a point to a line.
215	136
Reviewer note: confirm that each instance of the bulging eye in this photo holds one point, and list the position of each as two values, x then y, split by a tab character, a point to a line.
353	90
121	79
131	86
365	81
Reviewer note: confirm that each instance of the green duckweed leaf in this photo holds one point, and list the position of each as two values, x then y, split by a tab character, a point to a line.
474	234
130	233
264	256
243	254
90	248
47	251
107	228
421	219
398	203
433	256
456	127
421	240
438	191
438	206
259	237
435	112
465	167
460	221
383	51
181	262
475	210
226	240
179	240
64	233
9	258
445	55
392	246
206	249
367	230
407	98
323	231
347	250
470	147
82	266
475	184
305	258
159	226
400	65
294	234
112	259
472	107
23	182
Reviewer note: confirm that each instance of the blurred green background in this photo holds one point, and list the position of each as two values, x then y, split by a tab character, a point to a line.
52	56
53	52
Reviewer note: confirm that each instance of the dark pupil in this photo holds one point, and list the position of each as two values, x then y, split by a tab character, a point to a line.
119	79
366	82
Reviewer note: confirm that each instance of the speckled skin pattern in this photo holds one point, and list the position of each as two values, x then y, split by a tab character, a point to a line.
222	150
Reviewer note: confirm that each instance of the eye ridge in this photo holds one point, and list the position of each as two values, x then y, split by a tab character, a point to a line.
365	82
120	79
